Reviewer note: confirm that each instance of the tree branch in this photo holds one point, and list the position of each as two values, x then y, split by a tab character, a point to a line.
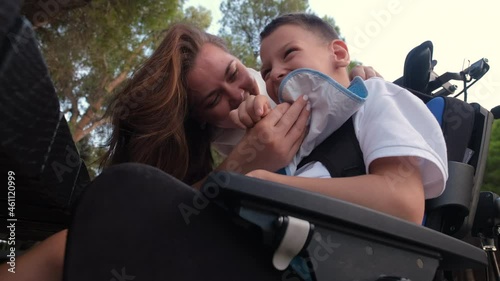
74	105
123	75
36	11
82	127
95	125
86	119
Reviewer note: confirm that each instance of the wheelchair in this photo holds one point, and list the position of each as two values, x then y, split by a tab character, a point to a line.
318	235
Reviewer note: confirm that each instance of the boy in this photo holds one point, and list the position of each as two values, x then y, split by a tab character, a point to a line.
402	145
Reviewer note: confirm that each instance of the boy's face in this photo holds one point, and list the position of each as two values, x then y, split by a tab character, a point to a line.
291	47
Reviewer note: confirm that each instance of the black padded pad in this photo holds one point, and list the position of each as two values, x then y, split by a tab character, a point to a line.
35	142
417	68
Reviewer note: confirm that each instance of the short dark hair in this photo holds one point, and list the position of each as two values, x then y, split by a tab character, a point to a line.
307	21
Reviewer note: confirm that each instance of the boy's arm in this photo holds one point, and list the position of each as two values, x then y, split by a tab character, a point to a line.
388	188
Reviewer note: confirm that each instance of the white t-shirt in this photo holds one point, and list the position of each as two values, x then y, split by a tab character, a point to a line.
392	122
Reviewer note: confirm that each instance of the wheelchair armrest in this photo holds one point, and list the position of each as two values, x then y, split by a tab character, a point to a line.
447	212
234	191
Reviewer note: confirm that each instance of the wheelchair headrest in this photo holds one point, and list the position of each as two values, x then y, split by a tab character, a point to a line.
418	66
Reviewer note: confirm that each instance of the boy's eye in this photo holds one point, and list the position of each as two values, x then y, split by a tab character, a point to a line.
288	51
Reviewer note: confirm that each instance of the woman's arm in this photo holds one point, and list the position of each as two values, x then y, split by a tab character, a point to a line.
44	262
390	187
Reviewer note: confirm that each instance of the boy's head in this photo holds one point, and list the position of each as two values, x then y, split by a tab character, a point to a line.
298	40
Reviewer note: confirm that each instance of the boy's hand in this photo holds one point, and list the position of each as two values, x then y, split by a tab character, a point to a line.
250	111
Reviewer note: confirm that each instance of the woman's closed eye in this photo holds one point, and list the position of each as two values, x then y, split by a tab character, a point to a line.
214	100
233	75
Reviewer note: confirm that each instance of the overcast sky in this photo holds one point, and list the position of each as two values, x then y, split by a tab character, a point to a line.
381	33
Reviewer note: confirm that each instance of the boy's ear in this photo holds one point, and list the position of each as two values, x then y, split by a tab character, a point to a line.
340	53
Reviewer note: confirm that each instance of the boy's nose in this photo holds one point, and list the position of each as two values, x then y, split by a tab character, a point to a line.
277	76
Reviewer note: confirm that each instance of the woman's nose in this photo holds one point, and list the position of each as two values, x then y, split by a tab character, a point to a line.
235	96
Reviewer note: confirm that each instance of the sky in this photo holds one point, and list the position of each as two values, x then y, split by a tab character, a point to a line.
380	33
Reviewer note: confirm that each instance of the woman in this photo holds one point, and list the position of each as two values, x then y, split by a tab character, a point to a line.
178	104
168	115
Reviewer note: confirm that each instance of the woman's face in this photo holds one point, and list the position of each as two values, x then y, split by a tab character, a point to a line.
217	84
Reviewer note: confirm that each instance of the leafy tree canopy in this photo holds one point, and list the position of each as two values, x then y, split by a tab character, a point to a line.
91	50
492	173
243	20
91	47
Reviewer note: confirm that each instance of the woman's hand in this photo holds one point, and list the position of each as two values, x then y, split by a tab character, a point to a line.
273	141
365	72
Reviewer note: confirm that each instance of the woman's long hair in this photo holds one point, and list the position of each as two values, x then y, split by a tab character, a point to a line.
150	115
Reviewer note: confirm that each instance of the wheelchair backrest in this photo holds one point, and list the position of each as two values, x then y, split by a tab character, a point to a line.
466	128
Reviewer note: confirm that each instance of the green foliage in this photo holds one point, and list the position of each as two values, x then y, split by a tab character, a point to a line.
91	50
492	174
199	16
98	38
243	20
91	154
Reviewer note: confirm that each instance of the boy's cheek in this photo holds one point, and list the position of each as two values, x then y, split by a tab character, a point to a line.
274	96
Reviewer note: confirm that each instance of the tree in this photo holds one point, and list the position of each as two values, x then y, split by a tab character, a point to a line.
90	51
243	20
40	13
492	173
